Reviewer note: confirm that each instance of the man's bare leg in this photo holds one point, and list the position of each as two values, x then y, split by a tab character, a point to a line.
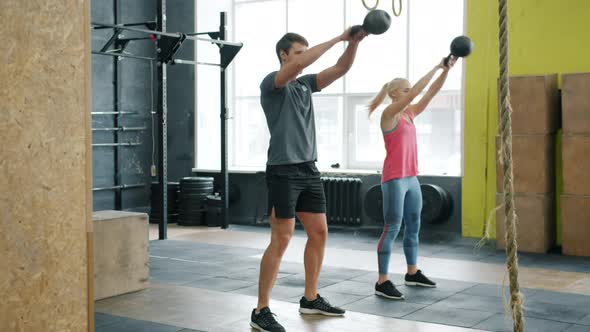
281	232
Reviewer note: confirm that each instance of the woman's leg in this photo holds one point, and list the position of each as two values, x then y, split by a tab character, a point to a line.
393	203
412	210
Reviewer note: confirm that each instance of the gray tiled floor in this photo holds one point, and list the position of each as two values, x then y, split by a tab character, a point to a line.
577	328
279	292
350	287
101	319
557	312
501	322
384	307
585	320
452	302
371	278
457	303
560	298
453	285
174	277
424	295
221	284
473	302
495	290
443	314
298	280
111	323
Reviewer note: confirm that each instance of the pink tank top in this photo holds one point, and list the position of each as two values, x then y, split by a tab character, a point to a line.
402	153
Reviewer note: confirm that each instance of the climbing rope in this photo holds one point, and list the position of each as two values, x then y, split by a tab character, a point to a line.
516	299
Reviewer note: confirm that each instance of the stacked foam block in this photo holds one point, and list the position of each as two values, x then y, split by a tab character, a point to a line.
535	104
575	200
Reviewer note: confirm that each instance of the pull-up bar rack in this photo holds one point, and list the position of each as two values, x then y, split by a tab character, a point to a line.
167	45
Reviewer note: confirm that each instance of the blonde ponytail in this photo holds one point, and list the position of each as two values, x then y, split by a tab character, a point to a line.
388	87
378	99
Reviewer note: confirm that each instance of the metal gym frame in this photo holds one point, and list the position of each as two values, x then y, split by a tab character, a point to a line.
167	45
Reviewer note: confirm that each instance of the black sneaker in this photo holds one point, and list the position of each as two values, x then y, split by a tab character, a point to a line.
265	321
388	290
319	306
419	279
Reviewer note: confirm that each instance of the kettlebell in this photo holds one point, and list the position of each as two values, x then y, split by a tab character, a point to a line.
376	22
461	47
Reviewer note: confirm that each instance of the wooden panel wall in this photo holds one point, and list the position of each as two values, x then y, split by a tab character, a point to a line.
44	165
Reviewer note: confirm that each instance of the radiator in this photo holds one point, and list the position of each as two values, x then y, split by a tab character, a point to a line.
343	200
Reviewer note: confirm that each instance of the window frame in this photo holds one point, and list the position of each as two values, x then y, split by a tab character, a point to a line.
348	149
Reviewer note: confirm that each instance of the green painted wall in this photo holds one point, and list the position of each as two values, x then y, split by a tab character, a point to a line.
546	36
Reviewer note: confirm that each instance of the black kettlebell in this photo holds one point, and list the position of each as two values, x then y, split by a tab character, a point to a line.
460	47
376	22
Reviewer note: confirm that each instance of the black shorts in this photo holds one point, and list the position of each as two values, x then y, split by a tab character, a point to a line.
295	188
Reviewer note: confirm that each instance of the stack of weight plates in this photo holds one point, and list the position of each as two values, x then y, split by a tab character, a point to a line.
193	200
156	210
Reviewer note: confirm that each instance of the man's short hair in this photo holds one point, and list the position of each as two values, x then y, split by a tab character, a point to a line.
287	41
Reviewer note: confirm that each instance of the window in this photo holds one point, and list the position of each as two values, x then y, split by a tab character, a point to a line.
323	21
439	128
414	44
367	149
330	130
250	133
379	58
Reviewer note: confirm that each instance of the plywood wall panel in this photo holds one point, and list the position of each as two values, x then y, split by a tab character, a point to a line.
44	151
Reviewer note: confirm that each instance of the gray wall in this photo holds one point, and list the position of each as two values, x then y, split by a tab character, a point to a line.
126	85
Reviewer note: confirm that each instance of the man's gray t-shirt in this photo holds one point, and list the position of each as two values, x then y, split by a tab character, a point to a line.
290	118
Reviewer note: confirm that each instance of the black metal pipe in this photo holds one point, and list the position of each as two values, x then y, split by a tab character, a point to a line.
162	126
120	113
199	33
124	55
157	32
110	41
116	144
103	26
134	38
120	187
174	61
191	62
120	129
116	81
113	113
223	109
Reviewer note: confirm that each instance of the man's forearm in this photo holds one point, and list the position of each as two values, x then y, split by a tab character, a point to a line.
311	55
346	60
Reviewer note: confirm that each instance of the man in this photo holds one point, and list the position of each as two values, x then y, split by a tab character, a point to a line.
294	186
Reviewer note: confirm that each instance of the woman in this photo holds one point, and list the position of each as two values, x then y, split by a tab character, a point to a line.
402	198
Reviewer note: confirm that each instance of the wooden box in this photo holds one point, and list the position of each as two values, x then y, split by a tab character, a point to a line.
535	104
576	164
535	223
575	225
575	103
533	159
121	261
